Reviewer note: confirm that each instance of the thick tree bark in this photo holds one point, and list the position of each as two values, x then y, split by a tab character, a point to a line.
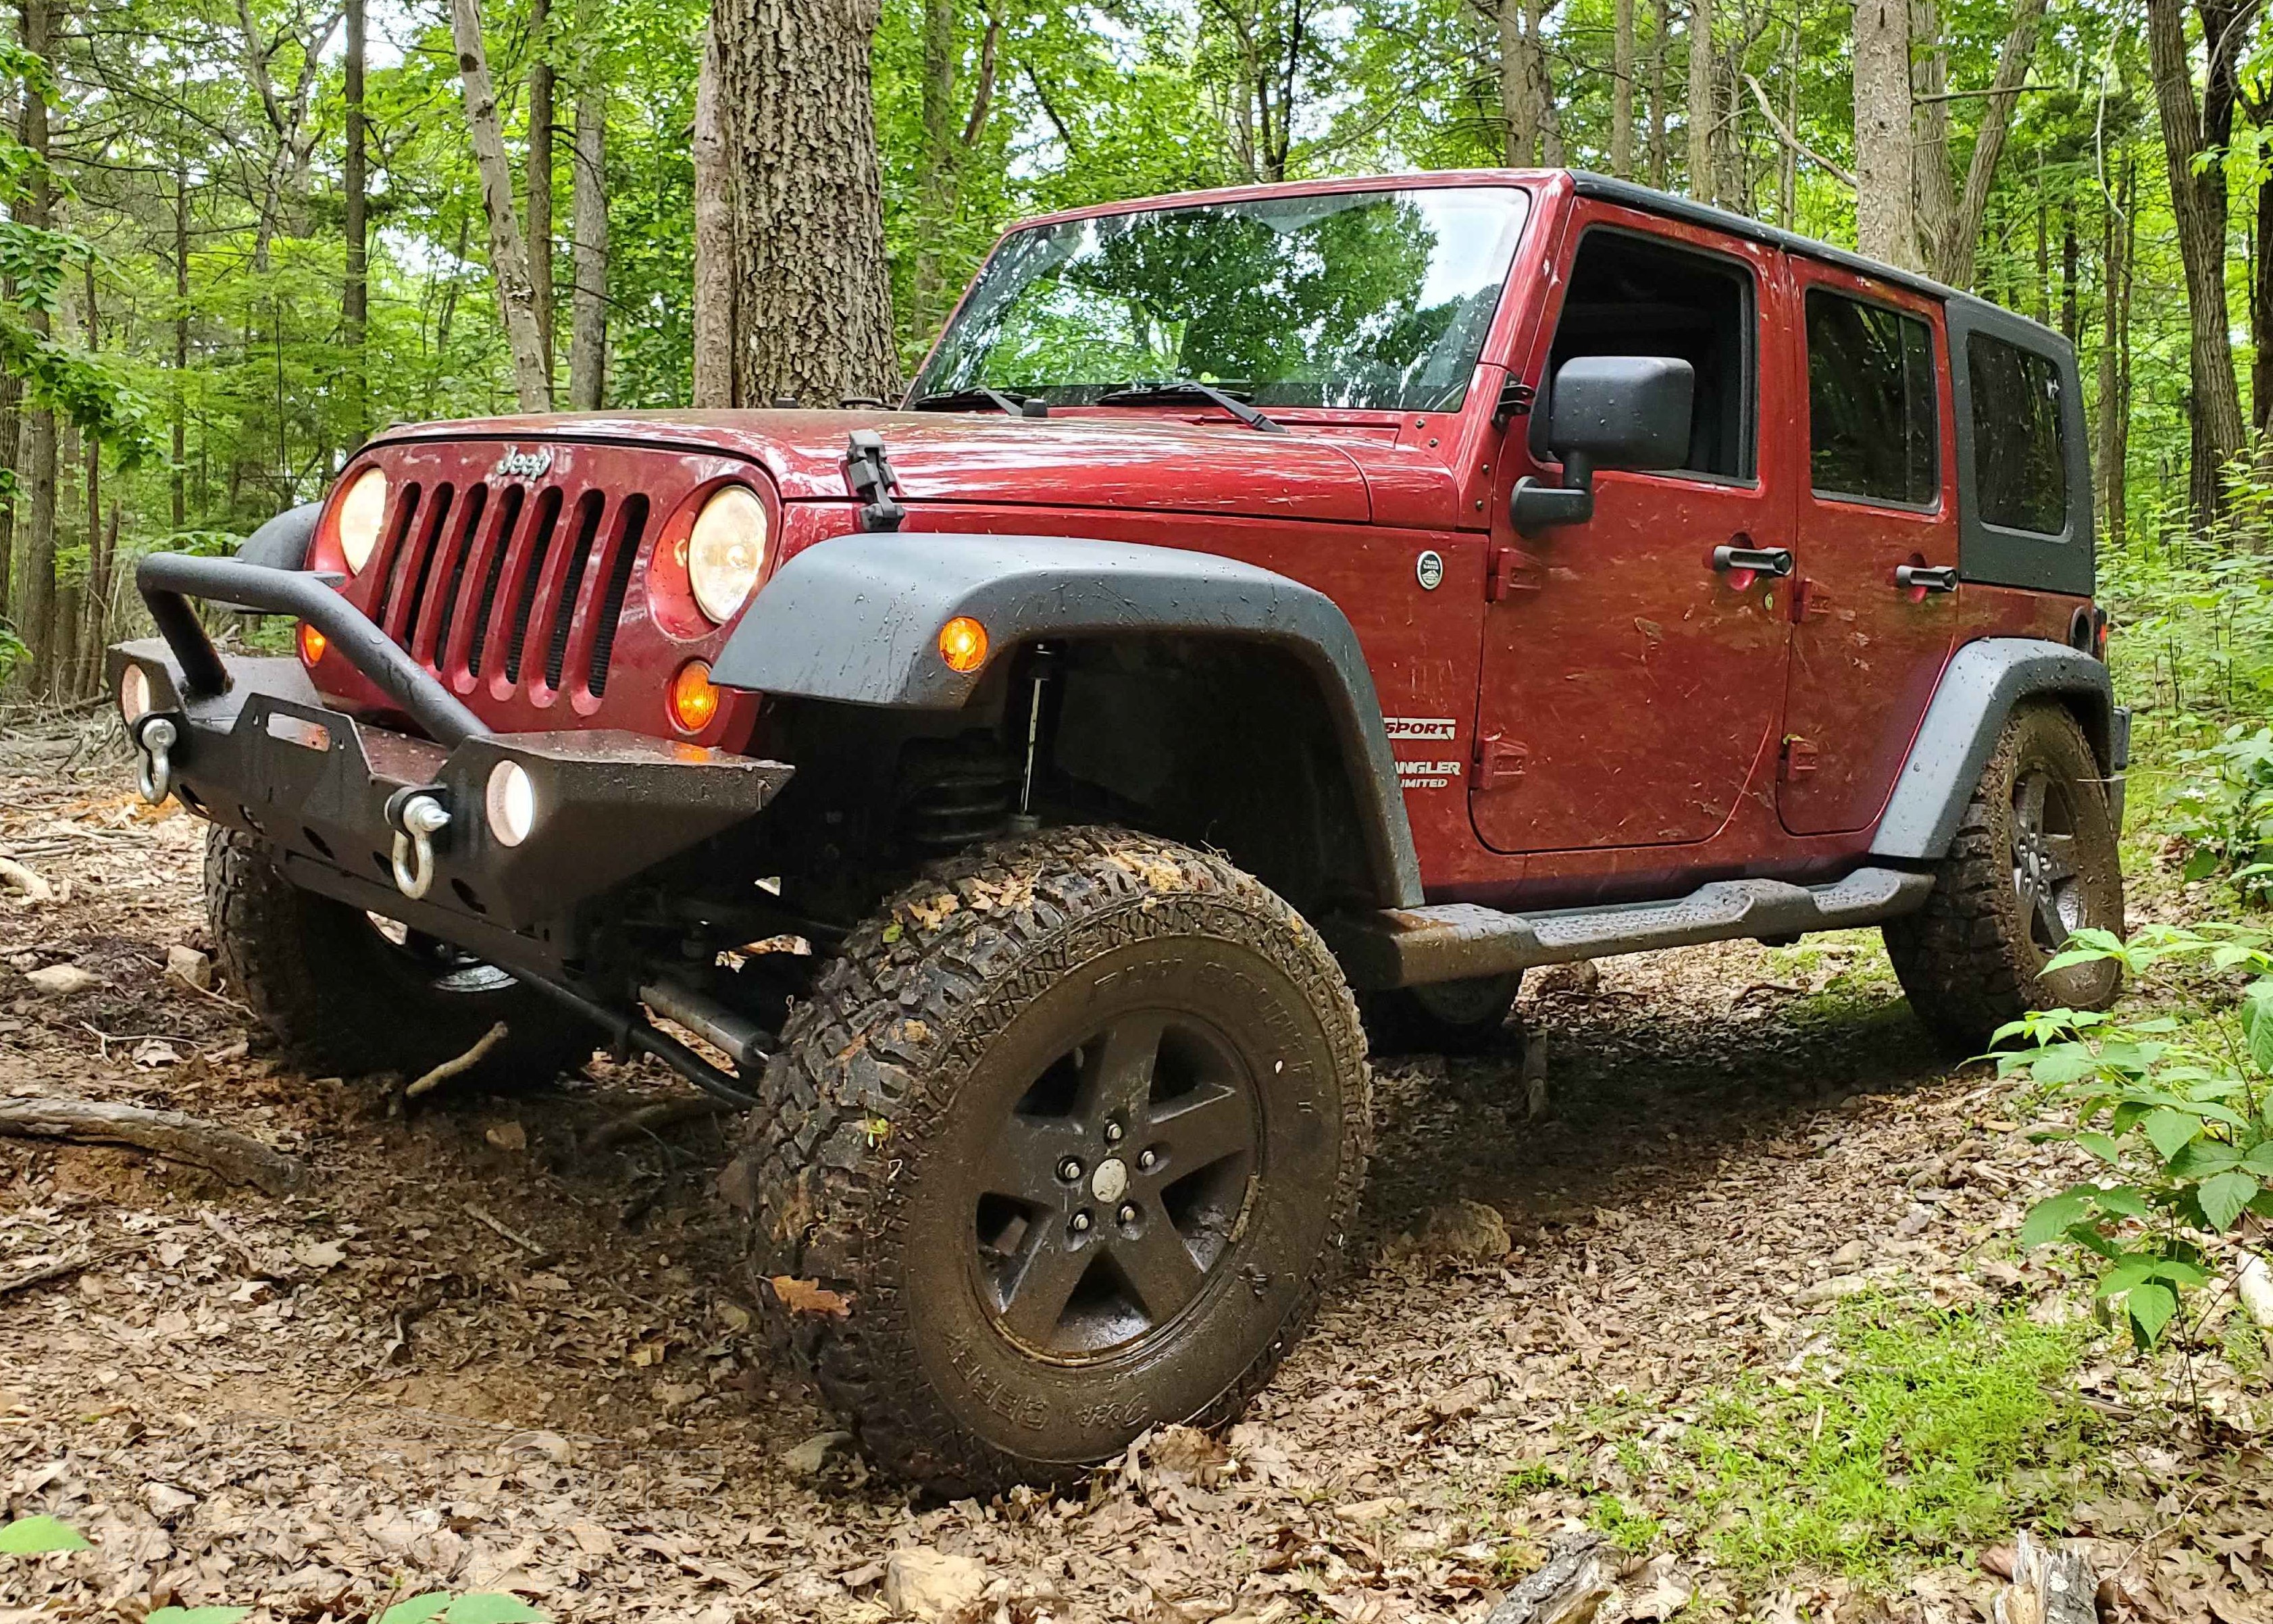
542	79
509	260
356	296
813	316
1622	89
714	194
1702	102
935	162
1517	110
1886	222
1662	25
2115	362
588	343
12	444
35	617
2261	314
2194	140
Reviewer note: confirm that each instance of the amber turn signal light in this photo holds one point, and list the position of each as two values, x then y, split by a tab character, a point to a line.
312	644
694	700
963	644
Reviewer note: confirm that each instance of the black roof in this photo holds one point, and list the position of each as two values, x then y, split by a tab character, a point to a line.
1632	195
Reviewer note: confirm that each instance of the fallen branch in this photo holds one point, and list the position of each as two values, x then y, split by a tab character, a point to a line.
62	1269
35	888
647	1119
2050	1586
168	1133
1784	134
464	1062
483	1218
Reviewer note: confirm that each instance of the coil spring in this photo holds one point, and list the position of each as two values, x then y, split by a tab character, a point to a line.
954	792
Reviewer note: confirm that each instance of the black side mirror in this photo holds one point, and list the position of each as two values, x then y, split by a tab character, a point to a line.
1608	411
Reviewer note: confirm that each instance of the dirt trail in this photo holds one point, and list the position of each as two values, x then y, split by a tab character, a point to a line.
475	1354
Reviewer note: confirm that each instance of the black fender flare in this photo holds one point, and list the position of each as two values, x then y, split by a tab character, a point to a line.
1978	688
856	619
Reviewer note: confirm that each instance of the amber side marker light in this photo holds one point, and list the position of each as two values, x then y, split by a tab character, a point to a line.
312	644
694	700
963	644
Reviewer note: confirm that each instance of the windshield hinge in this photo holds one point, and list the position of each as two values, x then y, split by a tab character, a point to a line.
1515	398
868	475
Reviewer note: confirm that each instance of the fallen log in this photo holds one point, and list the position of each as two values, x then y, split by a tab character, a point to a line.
232	1155
2050	1586
1569	1590
647	1119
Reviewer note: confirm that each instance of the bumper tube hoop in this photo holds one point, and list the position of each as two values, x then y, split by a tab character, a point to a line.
631	1032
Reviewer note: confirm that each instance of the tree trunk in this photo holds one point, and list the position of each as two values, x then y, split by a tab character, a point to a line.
508	261
36	613
588	343
1949	219
1517	110
714	207
356	296
1701	101
2071	310
542	80
12	446
1886	220
2194	138
2261	314
935	163
1622	89
813	314
1662	25
98	562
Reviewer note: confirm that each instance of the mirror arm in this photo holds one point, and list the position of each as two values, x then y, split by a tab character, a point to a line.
1534	507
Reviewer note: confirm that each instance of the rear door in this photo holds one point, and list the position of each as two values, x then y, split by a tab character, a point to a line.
1628	686
1870	640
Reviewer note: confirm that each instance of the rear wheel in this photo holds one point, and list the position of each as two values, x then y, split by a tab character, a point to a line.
2034	860
1061	1149
353	993
1468	1016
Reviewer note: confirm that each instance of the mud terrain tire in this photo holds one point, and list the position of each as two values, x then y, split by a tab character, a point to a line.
2035	857
344	999
1058	1012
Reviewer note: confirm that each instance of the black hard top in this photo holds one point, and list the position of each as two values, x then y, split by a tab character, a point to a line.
1651	201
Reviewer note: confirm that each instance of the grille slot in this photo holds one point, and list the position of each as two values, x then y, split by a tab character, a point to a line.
588	507
417	567
500	544
631	526
390	557
478	499
532	571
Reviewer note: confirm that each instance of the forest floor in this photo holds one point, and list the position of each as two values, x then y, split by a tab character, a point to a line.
1756	1313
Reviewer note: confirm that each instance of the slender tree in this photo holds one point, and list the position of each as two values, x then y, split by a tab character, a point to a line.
508	256
35	604
355	294
588	345
543	81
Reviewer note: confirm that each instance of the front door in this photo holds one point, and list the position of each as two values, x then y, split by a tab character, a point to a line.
1629	685
1871	636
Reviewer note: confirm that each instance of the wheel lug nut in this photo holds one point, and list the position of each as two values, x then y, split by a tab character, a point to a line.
1070	1169
1129	1213
1147	1161
1113	1132
1080	1223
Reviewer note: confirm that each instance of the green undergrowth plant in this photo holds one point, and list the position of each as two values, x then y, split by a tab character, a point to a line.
1906	1437
2220	803
2176	1106
40	1535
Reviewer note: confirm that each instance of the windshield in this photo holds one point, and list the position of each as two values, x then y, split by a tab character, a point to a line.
1365	299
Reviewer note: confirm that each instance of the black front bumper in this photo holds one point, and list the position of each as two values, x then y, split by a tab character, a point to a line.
257	748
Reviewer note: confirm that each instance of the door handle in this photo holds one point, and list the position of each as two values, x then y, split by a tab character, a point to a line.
1760	560
1926	577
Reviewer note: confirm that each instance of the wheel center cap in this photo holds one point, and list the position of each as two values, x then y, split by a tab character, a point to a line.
1110	1180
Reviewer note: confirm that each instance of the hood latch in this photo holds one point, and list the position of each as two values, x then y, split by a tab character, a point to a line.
868	476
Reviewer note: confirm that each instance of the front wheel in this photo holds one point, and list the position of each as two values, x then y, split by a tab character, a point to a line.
1061	1149
2035	859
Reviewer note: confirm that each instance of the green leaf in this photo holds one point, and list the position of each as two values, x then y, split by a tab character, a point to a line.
196	1615
417	1610
2201	862
33	1536
2204	1158
2259	1160
2133	1268
2170	1132
2223	1198
2049	1219
2150	1308
2099	1144
2257	1022
487	1609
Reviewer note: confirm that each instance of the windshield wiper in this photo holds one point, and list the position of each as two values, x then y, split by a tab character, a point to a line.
979	397
1185	389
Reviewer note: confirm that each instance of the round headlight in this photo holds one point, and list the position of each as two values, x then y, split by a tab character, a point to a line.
134	695
726	551
510	803
360	511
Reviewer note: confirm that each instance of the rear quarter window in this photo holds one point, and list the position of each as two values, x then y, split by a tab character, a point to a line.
2020	461
1873	428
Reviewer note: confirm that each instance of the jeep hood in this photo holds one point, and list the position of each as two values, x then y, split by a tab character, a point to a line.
1142	460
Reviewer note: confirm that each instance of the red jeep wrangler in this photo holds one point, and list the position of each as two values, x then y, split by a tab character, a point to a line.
1263	601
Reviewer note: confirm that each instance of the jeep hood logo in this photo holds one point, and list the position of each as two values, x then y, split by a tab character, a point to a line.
518	464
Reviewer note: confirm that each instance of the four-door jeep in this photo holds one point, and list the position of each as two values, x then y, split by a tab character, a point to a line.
1265	605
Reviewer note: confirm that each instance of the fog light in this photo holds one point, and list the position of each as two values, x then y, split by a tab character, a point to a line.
963	644
312	644
693	701
134	695
511	802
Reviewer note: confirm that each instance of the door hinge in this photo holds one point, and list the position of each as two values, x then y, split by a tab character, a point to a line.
1511	569
1809	601
1500	761
1800	758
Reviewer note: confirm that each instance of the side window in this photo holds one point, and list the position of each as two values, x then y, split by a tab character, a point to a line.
1638	296
1873	421
2019	464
